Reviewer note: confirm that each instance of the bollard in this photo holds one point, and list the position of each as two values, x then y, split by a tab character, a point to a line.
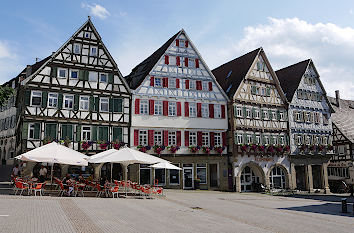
344	205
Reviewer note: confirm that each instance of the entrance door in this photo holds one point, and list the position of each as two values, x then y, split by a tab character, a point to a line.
188	177
247	179
300	177
317	176
213	169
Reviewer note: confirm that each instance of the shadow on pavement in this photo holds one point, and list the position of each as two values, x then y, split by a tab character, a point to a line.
328	198
328	208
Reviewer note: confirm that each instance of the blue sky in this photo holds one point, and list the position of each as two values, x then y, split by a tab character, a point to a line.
289	31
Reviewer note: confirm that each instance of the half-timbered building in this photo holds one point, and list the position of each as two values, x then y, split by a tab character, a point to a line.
257	122
341	166
76	96
310	125
179	113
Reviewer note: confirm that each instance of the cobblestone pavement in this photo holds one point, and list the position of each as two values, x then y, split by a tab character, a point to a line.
179	211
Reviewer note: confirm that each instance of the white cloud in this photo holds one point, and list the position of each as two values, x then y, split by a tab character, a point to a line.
288	41
97	10
9	62
4	50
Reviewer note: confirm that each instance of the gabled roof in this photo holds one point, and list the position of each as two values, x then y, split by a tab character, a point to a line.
139	72
290	77
343	116
231	74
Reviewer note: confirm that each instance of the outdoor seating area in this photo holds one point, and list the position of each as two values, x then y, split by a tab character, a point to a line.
79	186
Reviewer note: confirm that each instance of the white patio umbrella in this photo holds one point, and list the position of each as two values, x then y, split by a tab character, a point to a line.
125	156
166	166
54	153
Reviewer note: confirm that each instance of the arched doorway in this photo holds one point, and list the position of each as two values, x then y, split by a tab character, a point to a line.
251	179
117	173
277	178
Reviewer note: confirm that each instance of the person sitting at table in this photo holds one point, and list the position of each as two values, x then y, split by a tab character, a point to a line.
16	171
42	174
66	183
103	181
90	178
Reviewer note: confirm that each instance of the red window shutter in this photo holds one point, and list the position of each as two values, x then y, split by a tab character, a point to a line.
186	43
178	138
186	61
211	110
199	138
177	82
199	110
178	108
210	86
152	81
165	108
165	82
223	111
136	137
186	138
151	105
197	63
165	138
224	138
186	109
167	60
150	137
178	61
177	42
212	139
137	106
199	85
187	84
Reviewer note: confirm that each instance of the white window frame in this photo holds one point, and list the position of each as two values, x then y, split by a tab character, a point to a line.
266	114
105	101
158	108
249	138
248	113
93	54
217	111
178	172
158	138
157	82
258	139
104	74
267	140
257	113
54	97
75	46
205	110
86	133
144	107
84	102
274	116
192	85
143	137
239	139
172	109
217	139
202	166
205	139
87	34
172	138
68	98
31	127
192	110
62	69
281	116
205	85
239	111
172	83
71	71
193	139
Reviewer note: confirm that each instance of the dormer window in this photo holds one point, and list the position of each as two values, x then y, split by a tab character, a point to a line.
77	48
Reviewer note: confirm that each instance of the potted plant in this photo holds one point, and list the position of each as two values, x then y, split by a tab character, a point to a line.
143	148
313	148
270	148
303	147
197	183
194	149
219	149
330	147
206	149
287	148
47	140
261	148
254	147
173	149
158	149
279	149
86	144
244	147
103	145
117	145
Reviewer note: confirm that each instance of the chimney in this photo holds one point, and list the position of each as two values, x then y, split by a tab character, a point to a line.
28	70
37	59
337	98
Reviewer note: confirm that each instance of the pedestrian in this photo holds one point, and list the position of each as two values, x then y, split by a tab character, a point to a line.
67	184
42	174
16	171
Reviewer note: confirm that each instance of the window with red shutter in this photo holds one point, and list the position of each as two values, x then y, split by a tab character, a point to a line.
224	139
211	110
187	84
212	139
178	108
210	86
165	138
178	61
186	43
186	138
152	81
151	105
137	106
177	42
167	60
177	82
199	110
223	111
199	85
165	108
186	109
199	138
178	138
136	137
150	137
186	61
197	63
165	82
